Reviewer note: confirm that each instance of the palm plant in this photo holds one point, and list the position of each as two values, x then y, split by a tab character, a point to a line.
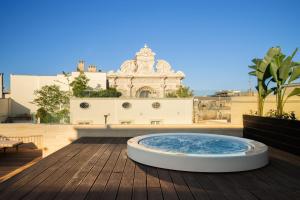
261	71
284	71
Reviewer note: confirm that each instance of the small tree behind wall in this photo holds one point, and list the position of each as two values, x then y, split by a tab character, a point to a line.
79	85
181	92
53	104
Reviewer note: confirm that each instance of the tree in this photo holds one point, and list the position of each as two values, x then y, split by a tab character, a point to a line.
79	85
53	104
262	74
110	92
181	92
284	71
279	70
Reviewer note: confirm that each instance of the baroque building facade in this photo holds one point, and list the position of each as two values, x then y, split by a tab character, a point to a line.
144	77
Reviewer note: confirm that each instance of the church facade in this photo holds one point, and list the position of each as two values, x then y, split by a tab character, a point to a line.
144	77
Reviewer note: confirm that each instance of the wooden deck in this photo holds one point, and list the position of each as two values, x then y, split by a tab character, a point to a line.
98	168
12	160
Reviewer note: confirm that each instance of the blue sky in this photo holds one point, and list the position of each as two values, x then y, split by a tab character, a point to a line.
211	41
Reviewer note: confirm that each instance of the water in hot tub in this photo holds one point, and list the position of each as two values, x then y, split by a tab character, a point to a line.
195	144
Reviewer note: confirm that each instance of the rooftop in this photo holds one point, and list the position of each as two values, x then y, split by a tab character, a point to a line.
91	168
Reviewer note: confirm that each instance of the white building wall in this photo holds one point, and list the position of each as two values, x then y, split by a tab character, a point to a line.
22	88
4	109
171	111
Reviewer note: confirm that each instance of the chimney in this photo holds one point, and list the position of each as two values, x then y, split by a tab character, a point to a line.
92	68
80	66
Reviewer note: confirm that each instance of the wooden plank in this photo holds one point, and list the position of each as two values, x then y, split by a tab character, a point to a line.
100	183
258	188
225	186
167	186
126	185
64	173
12	186
12	172
87	183
71	185
119	168
154	193
195	188
71	160
139	183
152	177
245	194
112	187
40	166
181	188
209	187
282	186
153	185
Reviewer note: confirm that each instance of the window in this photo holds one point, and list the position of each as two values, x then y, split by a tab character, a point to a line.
126	105
156	105
145	94
84	105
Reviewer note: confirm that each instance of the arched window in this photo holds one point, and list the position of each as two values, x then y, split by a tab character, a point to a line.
145	92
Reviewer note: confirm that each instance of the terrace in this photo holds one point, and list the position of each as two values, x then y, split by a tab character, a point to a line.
98	168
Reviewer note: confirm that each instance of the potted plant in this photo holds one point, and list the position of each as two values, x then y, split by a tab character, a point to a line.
278	129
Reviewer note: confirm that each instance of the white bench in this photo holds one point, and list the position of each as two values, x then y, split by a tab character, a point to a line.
9	144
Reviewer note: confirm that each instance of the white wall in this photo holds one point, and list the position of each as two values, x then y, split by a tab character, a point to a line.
22	88
244	104
171	111
4	109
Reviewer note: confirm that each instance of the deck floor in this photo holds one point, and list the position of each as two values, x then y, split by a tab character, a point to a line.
12	160
98	168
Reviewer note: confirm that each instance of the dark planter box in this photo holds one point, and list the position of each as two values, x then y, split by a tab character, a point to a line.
279	133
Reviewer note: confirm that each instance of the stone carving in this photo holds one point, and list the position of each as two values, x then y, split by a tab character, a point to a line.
145	60
128	67
163	67
139	77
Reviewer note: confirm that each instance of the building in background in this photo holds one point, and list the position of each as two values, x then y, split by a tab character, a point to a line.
4	101
144	77
22	87
232	93
211	108
1	86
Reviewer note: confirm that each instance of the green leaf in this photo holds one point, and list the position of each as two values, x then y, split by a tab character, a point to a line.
253	73
273	71
295	91
252	67
286	67
256	61
295	74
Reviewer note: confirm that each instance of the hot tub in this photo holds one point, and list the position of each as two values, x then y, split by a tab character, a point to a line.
198	152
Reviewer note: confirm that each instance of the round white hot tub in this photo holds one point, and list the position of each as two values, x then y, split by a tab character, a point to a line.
198	152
